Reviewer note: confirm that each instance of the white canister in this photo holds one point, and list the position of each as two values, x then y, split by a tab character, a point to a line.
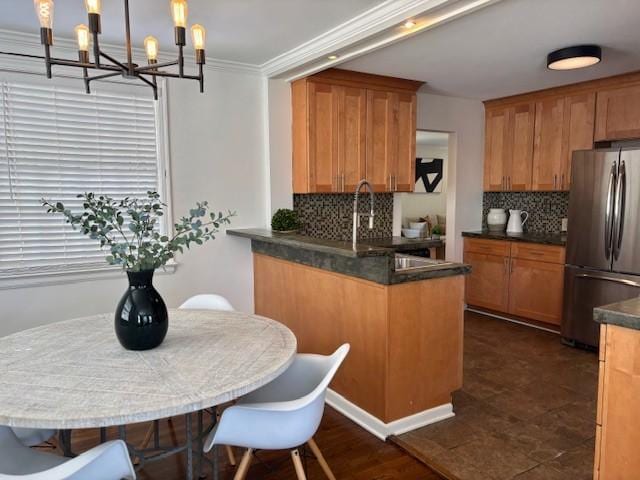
497	219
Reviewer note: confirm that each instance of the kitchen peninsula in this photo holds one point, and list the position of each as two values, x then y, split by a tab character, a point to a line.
404	323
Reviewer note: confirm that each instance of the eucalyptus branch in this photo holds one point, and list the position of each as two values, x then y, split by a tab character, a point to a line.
142	247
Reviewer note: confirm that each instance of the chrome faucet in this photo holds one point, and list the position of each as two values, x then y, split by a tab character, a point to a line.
357	215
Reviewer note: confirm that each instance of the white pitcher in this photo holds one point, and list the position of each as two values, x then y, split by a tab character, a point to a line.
516	222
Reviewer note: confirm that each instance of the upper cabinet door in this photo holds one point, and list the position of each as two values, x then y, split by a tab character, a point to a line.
382	138
579	122
497	148
519	165
352	136
547	149
404	171
618	113
323	137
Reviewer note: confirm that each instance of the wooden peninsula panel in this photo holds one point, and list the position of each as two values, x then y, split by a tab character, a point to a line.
406	339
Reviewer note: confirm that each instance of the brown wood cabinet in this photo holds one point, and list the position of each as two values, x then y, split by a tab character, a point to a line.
547	151
618	113
509	147
348	126
525	280
400	334
617	420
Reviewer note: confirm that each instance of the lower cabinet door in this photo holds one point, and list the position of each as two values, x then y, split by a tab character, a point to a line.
488	284
535	290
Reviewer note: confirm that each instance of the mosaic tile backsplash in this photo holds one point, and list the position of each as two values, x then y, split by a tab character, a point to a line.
330	216
546	209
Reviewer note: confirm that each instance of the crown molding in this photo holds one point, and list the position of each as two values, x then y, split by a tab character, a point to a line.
371	22
21	42
374	29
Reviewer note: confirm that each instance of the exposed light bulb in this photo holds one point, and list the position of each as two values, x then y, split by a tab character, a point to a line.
44	10
332	57
199	36
179	12
82	34
409	24
93	6
152	48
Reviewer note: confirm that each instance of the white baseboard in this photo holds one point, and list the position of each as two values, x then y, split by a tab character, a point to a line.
383	430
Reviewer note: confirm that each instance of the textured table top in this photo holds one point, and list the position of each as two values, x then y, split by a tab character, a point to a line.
74	374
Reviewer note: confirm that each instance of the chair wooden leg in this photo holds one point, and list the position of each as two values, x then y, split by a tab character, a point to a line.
297	463
230	455
243	468
323	463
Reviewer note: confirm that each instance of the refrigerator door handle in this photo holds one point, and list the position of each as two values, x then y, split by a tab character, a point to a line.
609	213
618	210
606	278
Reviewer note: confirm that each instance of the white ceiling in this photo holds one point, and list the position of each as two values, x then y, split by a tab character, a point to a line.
501	50
432	139
247	31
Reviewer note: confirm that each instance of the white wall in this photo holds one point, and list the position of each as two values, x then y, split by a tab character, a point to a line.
217	154
464	119
416	205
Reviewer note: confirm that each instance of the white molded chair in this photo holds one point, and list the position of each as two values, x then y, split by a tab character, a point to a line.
30	437
109	461
282	415
207	302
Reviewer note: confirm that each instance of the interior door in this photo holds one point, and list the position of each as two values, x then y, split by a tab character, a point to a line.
381	138
323	137
352	136
592	187
585	289
547	149
626	236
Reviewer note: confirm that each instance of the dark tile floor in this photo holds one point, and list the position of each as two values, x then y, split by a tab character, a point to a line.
526	411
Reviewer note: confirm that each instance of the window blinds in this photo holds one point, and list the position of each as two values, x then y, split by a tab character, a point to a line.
55	143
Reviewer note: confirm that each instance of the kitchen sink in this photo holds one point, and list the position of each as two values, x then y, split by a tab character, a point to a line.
405	263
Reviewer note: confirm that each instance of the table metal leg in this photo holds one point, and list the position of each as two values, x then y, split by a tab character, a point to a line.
189	472
200	444
156	434
103	435
65	443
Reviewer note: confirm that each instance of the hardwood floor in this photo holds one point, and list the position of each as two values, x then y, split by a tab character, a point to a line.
352	453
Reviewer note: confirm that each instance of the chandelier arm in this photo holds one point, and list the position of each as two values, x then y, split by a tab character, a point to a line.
153	85
102	77
145	68
130	68
170	75
122	66
75	63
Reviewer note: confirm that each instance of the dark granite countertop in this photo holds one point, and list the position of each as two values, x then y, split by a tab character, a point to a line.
559	239
309	243
373	262
624	314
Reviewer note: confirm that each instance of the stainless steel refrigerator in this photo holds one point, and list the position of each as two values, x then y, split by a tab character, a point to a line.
603	241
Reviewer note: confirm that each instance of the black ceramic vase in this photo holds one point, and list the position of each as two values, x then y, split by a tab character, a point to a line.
141	317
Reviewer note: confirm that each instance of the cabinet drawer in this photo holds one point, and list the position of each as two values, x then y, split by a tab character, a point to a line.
488	247
541	253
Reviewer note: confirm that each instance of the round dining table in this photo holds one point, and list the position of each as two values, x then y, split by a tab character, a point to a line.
74	374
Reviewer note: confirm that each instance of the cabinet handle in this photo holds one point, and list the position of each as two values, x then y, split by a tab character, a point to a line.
395	184
510	266
502	183
555	181
562	182
509	187
342	182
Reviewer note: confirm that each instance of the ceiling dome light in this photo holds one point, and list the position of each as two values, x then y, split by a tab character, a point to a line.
409	24
332	57
570	58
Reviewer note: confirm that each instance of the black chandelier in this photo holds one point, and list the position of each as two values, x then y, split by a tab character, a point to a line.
130	70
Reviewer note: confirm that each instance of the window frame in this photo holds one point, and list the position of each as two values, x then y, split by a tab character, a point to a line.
106	271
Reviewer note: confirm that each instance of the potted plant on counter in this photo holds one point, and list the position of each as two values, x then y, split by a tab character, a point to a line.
285	221
436	231
129	230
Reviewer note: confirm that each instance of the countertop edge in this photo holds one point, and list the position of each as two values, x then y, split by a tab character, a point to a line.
556	239
623	314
